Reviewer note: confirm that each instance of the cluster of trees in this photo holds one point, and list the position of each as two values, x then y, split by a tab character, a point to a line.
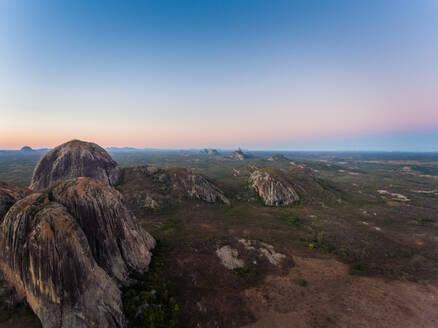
147	301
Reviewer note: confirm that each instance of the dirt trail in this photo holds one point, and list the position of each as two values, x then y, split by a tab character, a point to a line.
334	298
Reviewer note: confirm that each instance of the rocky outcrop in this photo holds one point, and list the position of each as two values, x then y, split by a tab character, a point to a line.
239	155
213	152
272	188
284	187
26	149
230	257
194	186
75	159
237	254
278	158
209	151
9	194
115	239
67	250
155	188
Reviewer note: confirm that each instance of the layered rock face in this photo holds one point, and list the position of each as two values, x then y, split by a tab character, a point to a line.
75	159
67	250
9	194
273	190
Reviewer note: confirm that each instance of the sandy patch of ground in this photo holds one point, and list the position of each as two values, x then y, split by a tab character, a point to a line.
334	298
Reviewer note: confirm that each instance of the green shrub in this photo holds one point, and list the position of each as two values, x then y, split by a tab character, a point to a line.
301	282
424	221
357	268
321	242
294	220
245	272
5	315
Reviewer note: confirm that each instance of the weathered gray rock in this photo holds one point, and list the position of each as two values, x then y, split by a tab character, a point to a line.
75	159
213	152
284	187
278	158
230	257
151	203
239	155
195	186
272	188
67	251
250	253
9	194
115	239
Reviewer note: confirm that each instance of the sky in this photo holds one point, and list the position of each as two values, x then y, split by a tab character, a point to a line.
283	75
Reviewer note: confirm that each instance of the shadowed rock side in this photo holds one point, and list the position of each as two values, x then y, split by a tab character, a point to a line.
276	187
66	251
75	159
9	194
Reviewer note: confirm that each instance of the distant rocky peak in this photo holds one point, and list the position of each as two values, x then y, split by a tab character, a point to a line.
26	149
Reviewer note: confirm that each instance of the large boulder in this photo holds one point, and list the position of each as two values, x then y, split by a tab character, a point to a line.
75	159
9	194
67	251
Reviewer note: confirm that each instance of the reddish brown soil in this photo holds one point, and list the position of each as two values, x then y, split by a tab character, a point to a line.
334	298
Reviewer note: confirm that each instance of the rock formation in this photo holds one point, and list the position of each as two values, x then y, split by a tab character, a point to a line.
278	187
213	152
67	250
240	155
241	253
116	241
9	194
209	151
272	188
278	158
26	149
154	188
194	186
75	159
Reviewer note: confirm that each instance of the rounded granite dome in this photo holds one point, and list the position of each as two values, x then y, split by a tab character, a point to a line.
75	159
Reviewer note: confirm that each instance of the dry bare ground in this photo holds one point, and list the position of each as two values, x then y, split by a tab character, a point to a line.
334	298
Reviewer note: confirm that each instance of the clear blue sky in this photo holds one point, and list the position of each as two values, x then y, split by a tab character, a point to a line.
339	75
